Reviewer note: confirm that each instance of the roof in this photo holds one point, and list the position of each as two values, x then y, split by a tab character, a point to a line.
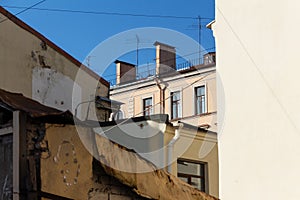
161	118
153	184
16	101
99	98
26	27
163	44
127	63
209	25
166	185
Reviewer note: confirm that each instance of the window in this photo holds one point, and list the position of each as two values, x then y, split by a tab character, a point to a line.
175	105
6	160
147	106
200	100
192	172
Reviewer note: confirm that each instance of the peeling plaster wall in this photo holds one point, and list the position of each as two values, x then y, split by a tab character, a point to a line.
54	89
23	55
70	171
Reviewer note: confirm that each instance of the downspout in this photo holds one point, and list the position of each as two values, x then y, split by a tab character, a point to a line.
170	146
162	90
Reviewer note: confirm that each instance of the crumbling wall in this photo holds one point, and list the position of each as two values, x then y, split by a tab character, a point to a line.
70	171
156	184
37	68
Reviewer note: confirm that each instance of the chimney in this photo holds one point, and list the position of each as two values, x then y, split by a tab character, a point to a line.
165	58
209	58
125	72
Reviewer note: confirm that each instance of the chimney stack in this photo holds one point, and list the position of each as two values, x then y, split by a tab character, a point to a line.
209	58
125	72
165	58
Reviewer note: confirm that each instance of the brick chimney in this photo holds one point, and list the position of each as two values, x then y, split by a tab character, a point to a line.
125	72
165	58
209	58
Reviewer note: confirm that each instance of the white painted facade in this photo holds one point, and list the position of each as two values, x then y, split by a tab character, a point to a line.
258	99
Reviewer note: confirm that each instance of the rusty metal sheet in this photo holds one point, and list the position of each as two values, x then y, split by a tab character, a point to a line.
34	109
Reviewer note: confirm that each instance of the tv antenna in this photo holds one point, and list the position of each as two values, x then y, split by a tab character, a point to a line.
199	28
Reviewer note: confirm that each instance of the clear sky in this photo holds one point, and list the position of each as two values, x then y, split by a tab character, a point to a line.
78	33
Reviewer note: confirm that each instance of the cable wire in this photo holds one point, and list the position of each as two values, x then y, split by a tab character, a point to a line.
25	9
108	13
152	106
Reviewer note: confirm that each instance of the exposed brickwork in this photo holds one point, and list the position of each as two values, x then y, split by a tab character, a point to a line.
110	187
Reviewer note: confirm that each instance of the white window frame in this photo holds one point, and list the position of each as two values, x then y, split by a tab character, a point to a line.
181	102
205	97
142	104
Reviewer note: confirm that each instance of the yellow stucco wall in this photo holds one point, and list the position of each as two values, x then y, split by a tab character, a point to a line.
199	147
70	170
23	60
67	155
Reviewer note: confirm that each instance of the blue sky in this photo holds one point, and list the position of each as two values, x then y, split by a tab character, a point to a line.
79	33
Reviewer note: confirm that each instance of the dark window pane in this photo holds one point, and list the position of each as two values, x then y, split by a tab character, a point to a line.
192	173
6	175
200	100
147	106
175	105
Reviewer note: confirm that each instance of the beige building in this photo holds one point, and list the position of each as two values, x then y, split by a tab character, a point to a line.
183	150
188	96
44	156
258	98
34	66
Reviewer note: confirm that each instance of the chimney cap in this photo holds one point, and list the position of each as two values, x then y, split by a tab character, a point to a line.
162	44
127	63
210	53
210	24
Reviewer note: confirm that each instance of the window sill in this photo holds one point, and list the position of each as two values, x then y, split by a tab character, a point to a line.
200	115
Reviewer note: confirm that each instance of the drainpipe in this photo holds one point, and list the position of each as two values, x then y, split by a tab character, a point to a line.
162	90
170	146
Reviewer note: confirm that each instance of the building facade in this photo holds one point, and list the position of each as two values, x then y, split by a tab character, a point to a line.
44	156
33	65
258	98
188	96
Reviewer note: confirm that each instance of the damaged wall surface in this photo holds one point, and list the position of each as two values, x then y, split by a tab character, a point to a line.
70	171
51	161
157	184
150	138
34	66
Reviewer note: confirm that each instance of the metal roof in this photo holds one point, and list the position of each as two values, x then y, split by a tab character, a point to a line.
17	101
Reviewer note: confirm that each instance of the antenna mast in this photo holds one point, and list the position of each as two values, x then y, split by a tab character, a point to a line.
137	52
137	49
199	37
